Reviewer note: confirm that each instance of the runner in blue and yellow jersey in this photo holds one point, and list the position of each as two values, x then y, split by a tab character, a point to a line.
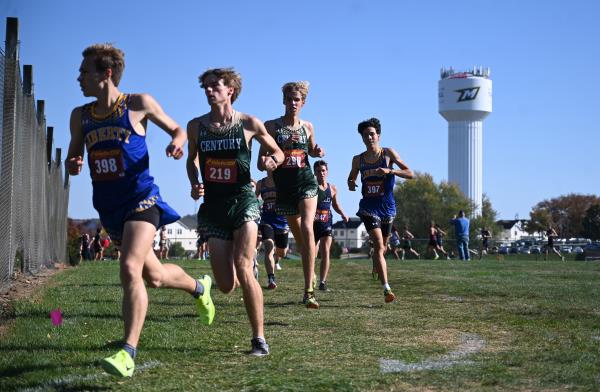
113	131
295	182
377	207
274	228
219	150
326	198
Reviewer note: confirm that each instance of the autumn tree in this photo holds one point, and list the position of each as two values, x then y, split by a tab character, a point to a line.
566	213
591	222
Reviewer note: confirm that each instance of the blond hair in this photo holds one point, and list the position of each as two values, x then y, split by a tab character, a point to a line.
301	87
231	78
107	56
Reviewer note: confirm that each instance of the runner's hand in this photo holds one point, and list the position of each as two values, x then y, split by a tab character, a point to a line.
267	163
197	191
74	165
175	151
318	151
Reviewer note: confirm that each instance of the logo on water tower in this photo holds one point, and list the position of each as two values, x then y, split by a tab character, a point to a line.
467	94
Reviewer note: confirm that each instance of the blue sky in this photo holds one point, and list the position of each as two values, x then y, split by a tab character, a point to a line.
363	59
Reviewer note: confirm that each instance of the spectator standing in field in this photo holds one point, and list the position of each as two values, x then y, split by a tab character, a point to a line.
461	230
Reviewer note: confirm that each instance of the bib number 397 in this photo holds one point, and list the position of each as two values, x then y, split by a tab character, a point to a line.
374	188
221	171
107	165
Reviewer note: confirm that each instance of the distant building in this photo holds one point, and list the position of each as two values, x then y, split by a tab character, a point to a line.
179	232
350	235
514	229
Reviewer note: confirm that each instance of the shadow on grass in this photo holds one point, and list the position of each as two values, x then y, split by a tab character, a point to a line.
90	285
15	371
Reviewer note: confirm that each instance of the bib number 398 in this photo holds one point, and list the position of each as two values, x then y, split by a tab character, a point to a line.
221	171
107	165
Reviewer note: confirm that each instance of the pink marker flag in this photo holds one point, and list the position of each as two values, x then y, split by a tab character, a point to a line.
56	317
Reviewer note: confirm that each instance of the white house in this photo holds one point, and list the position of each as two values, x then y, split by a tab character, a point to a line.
350	235
179	232
513	229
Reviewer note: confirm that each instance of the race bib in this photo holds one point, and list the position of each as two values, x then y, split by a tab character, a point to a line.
220	170
107	165
322	216
374	188
269	206
294	159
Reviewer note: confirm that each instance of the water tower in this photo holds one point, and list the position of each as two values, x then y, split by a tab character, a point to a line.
465	100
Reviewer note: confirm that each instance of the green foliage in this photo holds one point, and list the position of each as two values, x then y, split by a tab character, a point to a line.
420	201
591	222
336	250
176	250
565	213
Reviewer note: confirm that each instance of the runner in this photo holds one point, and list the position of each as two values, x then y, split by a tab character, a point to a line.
326	198
394	244
273	227
407	236
551	234
113	130
295	182
377	207
439	240
485	237
220	148
432	244
163	244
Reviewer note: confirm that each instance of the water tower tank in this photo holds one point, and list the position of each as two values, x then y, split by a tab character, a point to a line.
465	100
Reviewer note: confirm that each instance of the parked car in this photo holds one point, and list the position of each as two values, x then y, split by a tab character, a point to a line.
524	250
535	250
566	249
578	250
504	250
514	250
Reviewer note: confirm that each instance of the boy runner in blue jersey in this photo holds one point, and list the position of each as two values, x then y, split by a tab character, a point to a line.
326	198
273	227
113	130
220	151
377	207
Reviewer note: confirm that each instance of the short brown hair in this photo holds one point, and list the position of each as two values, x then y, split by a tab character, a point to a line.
231	78
107	56
320	163
301	87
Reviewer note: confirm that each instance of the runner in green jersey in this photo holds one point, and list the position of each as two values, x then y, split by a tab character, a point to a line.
219	147
295	182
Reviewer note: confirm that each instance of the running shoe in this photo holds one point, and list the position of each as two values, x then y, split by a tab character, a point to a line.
204	303
323	286
121	364
260	348
271	285
389	296
436	257
278	267
310	301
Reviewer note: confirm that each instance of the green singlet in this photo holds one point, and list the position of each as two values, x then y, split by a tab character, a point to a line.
294	179
229	200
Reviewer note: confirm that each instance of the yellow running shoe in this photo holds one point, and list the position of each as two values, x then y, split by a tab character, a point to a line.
389	296
121	364
204	304
309	300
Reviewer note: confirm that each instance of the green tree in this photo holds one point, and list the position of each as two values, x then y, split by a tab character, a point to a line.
591	222
336	250
176	250
421	200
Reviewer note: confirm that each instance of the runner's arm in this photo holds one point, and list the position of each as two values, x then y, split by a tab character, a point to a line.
353	173
74	161
155	113
404	171
336	204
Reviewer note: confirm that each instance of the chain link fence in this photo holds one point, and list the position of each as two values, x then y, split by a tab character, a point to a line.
33	195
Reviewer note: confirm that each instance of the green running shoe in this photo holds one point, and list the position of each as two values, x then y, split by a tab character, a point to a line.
204	304
121	364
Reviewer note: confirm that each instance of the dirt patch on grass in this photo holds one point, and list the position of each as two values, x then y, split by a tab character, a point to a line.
23	286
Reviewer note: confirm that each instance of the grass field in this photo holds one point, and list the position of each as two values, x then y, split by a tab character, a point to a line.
511	325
